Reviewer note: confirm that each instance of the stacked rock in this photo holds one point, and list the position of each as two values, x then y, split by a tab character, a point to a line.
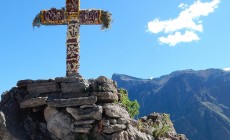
74	106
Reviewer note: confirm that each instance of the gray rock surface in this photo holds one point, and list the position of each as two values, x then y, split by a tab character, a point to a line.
105	122
88	106
34	102
82	129
73	87
132	134
24	83
106	96
84	122
58	123
112	121
115	111
114	128
86	113
123	121
72	101
71	79
103	84
47	87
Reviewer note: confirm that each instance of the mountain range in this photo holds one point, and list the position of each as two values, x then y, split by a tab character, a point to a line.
198	101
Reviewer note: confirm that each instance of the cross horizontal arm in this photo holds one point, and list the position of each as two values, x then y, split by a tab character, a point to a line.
53	17
88	17
60	17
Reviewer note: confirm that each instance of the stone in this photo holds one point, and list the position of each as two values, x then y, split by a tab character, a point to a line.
103	84
115	111
131	133
24	83
48	87
82	129
105	87
58	123
72	101
73	87
84	122
88	106
123	135
4	133
86	113
112	121
2	118
44	80
108	97
103	80
34	102
122	121
105	122
114	128
71	79
134	122
74	95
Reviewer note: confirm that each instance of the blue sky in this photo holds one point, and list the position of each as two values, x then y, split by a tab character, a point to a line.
148	38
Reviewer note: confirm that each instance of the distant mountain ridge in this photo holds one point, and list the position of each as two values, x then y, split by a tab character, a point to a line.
198	101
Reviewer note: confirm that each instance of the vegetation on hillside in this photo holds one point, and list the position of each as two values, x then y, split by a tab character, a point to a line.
160	131
131	106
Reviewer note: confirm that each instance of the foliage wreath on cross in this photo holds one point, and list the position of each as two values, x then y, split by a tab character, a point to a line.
73	17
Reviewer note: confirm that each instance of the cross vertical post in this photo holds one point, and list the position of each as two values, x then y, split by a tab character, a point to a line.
73	38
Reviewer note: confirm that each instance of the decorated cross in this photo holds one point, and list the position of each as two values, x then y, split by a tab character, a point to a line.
73	17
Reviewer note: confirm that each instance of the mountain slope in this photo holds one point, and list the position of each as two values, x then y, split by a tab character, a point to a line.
198	101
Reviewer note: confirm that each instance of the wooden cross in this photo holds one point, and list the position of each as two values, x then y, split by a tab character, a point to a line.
73	17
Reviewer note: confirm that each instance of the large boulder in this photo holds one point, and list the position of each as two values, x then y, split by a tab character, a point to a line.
58	123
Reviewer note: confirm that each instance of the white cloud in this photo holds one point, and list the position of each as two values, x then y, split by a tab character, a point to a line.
226	69
188	21
183	6
172	40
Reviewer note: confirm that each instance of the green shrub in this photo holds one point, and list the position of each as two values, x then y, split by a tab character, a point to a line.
160	131
139	125
131	106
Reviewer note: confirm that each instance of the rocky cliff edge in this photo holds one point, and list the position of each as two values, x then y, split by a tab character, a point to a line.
72	108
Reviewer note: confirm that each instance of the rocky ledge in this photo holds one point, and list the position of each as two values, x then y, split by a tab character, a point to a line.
72	108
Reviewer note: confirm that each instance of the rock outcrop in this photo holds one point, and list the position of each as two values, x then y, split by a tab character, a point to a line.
71	108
